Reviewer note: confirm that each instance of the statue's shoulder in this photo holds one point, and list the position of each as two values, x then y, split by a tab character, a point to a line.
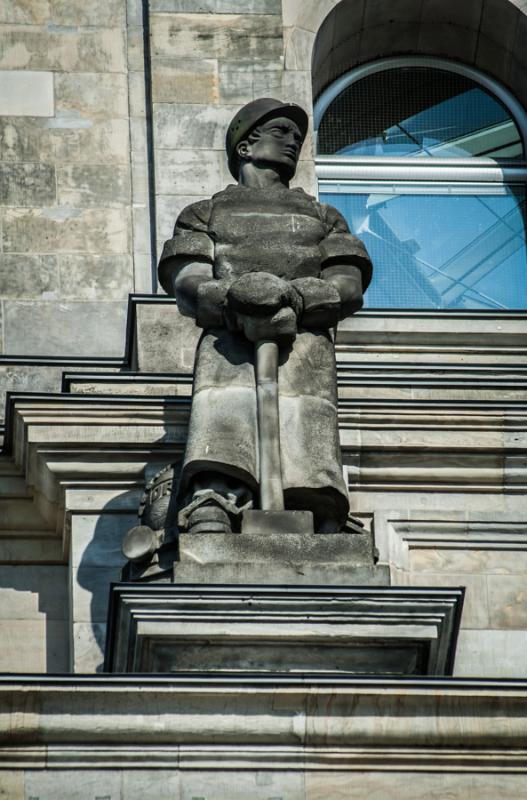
195	216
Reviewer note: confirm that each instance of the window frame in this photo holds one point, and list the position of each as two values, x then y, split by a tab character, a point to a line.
357	172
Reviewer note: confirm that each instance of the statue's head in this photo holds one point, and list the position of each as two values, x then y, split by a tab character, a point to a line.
267	131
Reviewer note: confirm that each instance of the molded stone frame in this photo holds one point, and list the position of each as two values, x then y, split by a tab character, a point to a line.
260	629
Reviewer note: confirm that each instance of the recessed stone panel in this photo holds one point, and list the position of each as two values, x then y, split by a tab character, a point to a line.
91	329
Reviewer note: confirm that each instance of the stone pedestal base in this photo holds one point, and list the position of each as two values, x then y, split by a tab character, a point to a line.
262	556
271	629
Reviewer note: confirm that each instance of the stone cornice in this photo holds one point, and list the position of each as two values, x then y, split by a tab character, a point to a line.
245	721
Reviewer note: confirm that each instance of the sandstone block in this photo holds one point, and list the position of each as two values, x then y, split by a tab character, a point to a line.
218	6
191	126
92	277
27	184
102	95
104	13
90	141
189	172
217	35
99	50
24	139
29	276
66	229
65	328
188	80
26	93
492	654
86	185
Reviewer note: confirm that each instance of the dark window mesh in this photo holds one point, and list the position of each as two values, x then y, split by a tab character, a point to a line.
421	112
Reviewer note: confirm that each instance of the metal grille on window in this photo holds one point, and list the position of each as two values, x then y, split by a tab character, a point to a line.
451	235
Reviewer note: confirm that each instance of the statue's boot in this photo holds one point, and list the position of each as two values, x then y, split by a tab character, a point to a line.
209	518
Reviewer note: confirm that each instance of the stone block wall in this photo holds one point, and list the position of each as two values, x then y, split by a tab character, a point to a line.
72	176
209	59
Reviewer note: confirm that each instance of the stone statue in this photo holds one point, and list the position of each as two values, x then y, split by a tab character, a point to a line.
267	272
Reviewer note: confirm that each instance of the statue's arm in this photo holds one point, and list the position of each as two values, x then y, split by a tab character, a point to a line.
186	267
345	274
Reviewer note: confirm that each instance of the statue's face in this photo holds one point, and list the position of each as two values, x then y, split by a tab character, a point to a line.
277	142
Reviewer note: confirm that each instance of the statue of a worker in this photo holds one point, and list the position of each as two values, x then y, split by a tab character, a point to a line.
260	263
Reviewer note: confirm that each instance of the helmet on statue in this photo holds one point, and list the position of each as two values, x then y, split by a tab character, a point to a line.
256	113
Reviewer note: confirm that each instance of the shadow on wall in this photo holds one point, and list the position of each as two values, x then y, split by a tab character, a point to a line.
488	36
34	618
96	563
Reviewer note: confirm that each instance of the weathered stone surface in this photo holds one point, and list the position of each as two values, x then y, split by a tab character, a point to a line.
411	785
26	94
25	140
96	539
105	13
12	785
34	13
217	36
27	184
90	277
491	653
74	784
188	80
75	329
66	229
166	340
187	172
93	185
88	646
33	593
99	50
242	80
30	645
195	127
92	95
29	276
508	601
89	141
218	6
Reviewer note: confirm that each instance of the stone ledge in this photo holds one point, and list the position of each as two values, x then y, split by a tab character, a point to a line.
352	723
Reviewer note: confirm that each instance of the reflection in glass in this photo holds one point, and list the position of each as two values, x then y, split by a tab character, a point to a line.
420	112
464	248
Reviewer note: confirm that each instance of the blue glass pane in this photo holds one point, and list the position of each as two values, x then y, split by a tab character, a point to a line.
441	250
421	112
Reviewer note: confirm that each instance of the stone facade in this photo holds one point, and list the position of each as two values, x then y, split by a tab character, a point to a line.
111	121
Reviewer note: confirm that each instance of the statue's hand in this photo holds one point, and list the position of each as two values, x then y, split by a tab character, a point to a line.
278	327
210	306
321	302
262	294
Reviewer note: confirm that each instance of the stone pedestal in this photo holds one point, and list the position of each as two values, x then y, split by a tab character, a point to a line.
156	628
281	557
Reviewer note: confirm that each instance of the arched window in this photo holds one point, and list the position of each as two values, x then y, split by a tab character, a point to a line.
425	159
